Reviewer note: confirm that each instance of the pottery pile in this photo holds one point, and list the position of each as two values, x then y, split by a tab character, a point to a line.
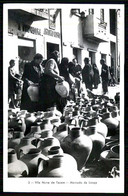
55	144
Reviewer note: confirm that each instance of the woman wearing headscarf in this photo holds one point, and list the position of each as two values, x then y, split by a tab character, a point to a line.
32	74
48	95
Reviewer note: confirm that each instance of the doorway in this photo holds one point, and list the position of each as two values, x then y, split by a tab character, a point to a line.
51	47
26	52
103	56
92	57
77	54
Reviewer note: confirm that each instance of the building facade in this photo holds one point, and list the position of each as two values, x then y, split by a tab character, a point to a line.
92	33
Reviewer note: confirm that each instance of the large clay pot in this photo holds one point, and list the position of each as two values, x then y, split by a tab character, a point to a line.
110	144
111	123
17	136
57	150
24	146
17	123
100	127
16	168
57	167
45	144
30	119
34	130
98	142
31	160
115	151
33	92
78	145
62	132
109	160
46	124
62	88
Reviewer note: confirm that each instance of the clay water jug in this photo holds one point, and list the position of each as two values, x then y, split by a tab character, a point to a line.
45	144
111	143
111	123
30	119
57	167
17	123
78	145
33	92
24	146
98	141
17	136
100	127
34	130
31	160
46	133
62	132
16	168
57	150
46	124
110	158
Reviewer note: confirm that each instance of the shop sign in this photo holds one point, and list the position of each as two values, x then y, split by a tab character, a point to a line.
51	33
33	30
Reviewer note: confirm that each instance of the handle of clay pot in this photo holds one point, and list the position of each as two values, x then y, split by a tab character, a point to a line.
21	153
38	143
42	164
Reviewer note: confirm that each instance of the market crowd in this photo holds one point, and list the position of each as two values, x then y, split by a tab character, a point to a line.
45	74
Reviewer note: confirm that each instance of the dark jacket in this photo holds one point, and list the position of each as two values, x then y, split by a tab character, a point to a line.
105	72
31	73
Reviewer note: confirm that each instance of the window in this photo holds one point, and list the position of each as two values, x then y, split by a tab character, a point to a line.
102	15
91	11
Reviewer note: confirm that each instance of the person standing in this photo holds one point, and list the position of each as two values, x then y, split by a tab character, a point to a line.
12	80
113	81
48	95
31	75
87	74
96	77
63	68
104	76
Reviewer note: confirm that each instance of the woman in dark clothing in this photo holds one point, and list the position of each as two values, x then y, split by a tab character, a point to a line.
104	76
113	81
96	77
63	68
48	95
32	74
87	74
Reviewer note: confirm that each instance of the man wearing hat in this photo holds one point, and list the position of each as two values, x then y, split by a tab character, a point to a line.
31	75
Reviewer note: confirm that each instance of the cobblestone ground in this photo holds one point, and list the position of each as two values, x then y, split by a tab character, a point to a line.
112	90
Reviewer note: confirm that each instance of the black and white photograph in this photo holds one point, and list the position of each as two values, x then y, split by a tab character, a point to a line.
63	76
